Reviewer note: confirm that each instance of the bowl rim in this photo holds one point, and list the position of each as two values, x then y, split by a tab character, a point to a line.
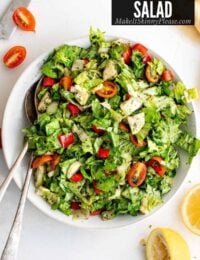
72	222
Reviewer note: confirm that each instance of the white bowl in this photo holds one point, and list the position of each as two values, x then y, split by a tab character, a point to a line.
14	120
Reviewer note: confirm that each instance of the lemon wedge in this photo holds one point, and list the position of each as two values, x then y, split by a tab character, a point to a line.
166	244
190	209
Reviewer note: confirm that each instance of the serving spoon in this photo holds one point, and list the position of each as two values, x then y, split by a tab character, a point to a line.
31	114
11	247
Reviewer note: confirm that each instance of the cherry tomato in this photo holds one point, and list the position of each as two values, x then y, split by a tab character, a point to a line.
75	205
139	47
155	163
66	140
124	127
96	212
77	177
48	82
147	58
135	141
96	190
55	161
24	19
14	56
137	174
73	109
127	55
40	160
167	75
97	130
103	153
108	90
151	75
66	82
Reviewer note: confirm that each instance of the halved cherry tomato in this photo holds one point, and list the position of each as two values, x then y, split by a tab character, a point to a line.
75	205
135	141
167	75
155	163
41	160
24	19
103	153
55	161
96	212
48	82
127	55
137	174
97	130
73	109
139	47
77	177
14	56
124	127
96	190
108	90
66	140
151	74
66	82
147	58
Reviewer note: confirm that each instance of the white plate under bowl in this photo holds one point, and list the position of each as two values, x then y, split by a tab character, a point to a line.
13	122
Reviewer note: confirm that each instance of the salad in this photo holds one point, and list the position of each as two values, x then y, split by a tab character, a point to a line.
111	121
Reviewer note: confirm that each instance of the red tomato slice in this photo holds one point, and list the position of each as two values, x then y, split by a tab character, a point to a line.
41	160
97	130
167	75
124	127
96	190
66	140
75	205
96	212
127	55
14	56
66	82
139	47
108	90
155	163
48	82
73	109
137	174
55	161
135	141
24	19
77	177
147	58
103	153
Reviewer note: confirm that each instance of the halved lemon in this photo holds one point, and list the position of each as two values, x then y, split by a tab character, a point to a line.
190	209
166	244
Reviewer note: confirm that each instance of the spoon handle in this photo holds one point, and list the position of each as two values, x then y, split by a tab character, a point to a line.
12	244
8	179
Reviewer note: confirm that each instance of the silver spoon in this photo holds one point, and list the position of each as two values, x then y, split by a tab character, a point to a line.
11	247
31	115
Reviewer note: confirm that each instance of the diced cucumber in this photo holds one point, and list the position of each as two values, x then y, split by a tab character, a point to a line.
52	108
39	174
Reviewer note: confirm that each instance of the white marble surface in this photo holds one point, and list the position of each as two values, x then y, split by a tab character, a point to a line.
57	22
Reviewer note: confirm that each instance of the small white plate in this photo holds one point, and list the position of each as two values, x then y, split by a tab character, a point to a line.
13	122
